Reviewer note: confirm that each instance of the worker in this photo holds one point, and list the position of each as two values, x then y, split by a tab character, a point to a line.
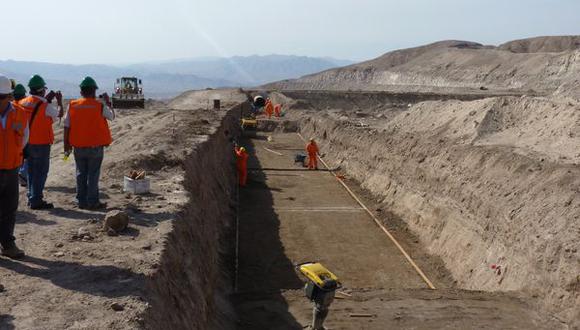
20	93
13	136
242	164
87	131
41	115
277	110
312	150
269	108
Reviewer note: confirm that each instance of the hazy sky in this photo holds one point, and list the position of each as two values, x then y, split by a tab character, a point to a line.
122	31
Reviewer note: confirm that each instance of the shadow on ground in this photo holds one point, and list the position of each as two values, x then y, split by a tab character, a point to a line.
264	270
107	281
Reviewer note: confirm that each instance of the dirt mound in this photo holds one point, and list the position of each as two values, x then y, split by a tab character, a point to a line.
543	45
203	99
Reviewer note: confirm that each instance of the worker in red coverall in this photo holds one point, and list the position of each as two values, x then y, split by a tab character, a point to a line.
312	150
277	110
242	164
269	108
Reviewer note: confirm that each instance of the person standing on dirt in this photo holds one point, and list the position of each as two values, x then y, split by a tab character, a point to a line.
41	116
242	165
269	108
312	150
13	136
20	93
87	131
277	110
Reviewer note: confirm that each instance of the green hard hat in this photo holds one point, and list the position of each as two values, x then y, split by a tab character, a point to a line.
36	82
19	90
88	82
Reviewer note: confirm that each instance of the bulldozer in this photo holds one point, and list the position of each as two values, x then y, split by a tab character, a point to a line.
128	93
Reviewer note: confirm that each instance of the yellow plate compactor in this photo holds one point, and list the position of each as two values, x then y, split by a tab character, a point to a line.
320	288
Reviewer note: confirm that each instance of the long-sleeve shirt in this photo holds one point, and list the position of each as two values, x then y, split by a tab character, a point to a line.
50	111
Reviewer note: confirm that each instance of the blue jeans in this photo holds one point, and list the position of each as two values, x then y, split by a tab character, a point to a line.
38	164
23	170
88	162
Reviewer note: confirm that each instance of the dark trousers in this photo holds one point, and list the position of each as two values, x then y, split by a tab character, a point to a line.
38	164
8	206
88	162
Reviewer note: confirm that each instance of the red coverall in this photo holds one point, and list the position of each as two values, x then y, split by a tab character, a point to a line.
312	150
277	110
242	165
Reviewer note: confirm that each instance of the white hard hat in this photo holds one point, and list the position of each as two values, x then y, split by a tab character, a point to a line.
5	85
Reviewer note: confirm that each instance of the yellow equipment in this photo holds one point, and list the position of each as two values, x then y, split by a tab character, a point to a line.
249	126
320	289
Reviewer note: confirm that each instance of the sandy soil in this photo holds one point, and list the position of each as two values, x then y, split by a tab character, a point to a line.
67	282
289	215
481	183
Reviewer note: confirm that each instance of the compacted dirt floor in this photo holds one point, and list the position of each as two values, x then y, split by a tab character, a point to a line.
290	215
75	276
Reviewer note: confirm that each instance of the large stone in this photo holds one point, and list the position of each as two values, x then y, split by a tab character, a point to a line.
116	220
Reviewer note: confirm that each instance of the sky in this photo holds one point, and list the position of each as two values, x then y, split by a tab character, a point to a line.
132	31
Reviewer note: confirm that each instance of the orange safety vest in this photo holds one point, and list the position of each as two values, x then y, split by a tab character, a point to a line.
41	128
88	128
312	148
11	139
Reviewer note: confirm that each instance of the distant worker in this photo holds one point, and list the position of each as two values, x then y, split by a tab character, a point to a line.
41	115
312	150
20	93
269	108
277	110
242	164
87	131
13	136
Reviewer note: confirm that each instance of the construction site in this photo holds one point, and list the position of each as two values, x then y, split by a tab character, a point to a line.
446	197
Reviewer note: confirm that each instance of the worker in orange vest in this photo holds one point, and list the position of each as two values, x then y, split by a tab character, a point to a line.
41	115
312	150
277	110
269	108
20	93
87	131
242	164
13	136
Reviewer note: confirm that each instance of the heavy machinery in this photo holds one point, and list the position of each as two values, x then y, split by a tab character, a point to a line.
128	93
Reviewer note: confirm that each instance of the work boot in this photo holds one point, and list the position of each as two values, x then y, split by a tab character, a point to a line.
13	252
42	206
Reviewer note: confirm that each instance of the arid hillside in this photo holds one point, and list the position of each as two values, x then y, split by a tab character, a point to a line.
535	66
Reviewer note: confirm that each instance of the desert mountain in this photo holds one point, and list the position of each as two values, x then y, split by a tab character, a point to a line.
544	65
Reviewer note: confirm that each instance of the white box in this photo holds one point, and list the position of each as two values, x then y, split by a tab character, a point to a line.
141	186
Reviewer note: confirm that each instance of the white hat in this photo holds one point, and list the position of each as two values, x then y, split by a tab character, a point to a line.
5	85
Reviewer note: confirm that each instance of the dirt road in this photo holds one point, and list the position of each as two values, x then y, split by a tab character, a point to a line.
290	215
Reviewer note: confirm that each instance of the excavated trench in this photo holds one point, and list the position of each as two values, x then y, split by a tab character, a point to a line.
502	217
495	215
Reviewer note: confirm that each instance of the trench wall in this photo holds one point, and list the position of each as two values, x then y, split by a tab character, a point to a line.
190	288
471	201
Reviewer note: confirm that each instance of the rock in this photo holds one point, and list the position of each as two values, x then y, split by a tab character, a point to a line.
59	254
147	247
83	231
2	289
59	245
117	307
116	220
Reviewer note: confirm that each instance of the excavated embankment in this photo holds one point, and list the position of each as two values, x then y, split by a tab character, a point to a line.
189	289
484	184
